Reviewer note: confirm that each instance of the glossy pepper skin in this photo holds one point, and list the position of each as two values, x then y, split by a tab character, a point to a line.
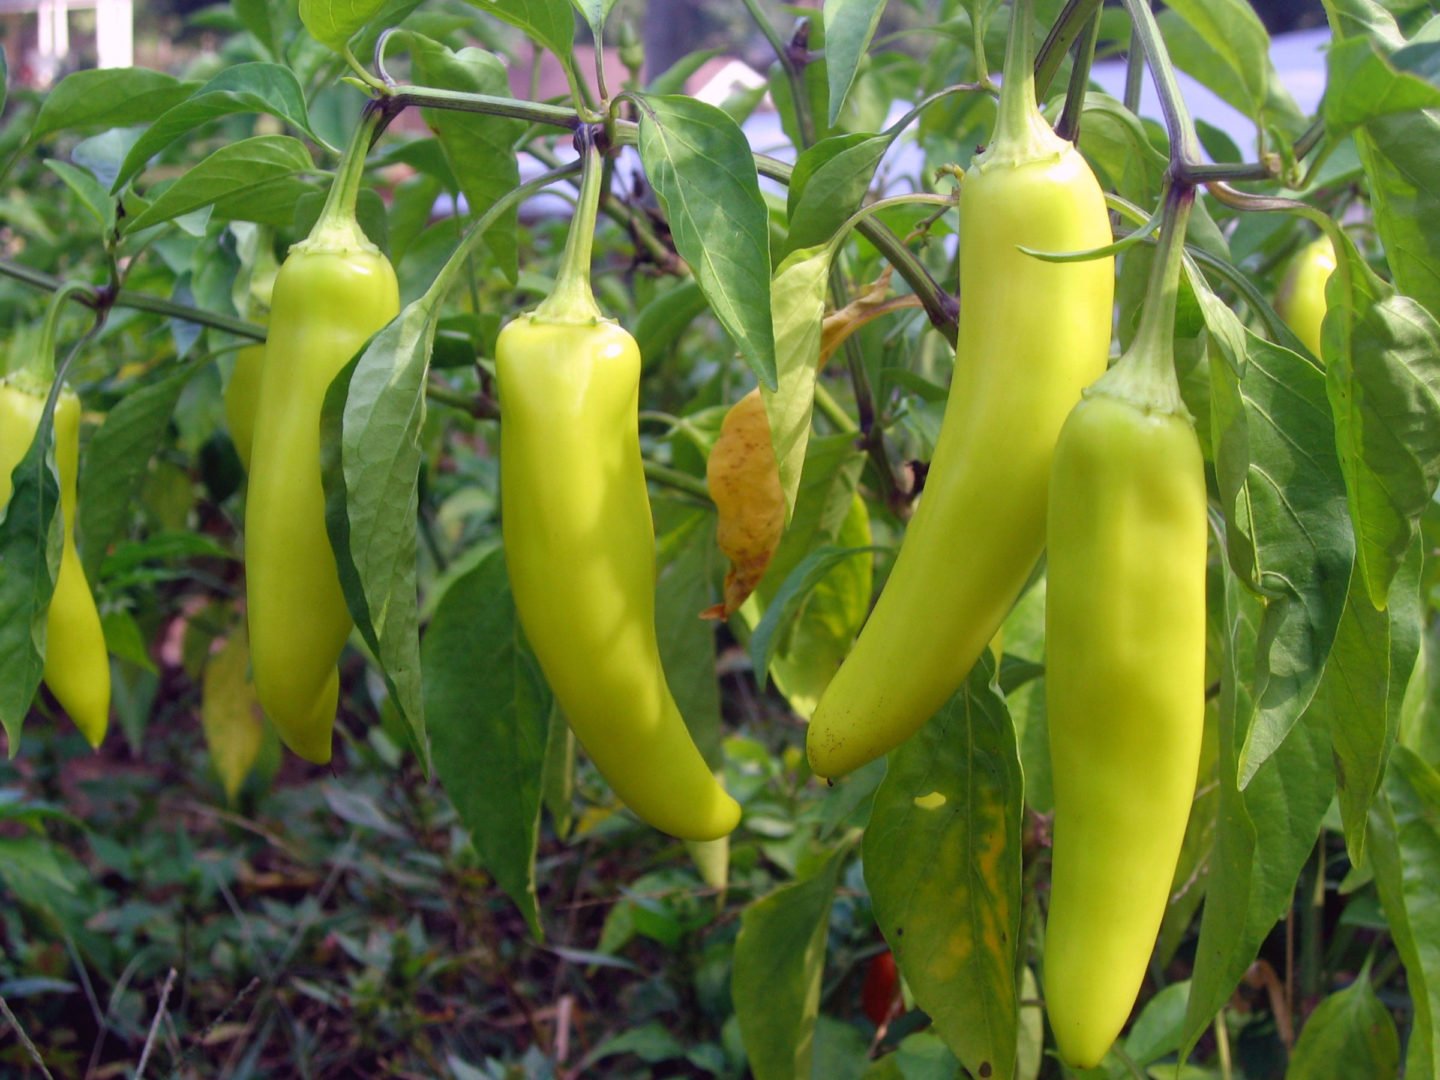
77	667
334	290
242	399
1301	300
242	392
1124	684
1032	335
580	545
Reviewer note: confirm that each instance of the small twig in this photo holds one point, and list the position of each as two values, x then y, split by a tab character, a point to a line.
241	822
1222	1044
563	1017
1068	126
24	1039
675	478
90	995
1068	26
897	1006
155	1024
100	298
197	1043
1263	975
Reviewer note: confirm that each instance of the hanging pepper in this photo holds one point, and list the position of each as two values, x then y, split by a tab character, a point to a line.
580	542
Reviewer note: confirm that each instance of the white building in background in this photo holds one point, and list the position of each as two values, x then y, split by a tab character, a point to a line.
38	49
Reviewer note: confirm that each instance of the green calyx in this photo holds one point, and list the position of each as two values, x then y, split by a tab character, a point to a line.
1021	133
37	374
572	301
1145	375
337	231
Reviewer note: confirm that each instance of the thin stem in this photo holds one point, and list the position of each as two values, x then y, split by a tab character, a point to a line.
374	83
164	1000
637	224
833	411
674	478
1017	90
579	90
480	406
441	285
1184	143
977	45
1199	172
915	199
572	299
40	369
533	111
1310	138
336	228
942	309
1068	126
1222	1045
137	301
386	79
771	35
600	68
1241	200
1068	26
1157	321
24	1039
1134	79
794	73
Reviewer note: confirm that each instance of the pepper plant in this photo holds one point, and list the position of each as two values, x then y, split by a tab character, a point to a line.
461	891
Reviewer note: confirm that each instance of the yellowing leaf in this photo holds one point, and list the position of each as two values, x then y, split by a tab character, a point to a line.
825	628
230	714
868	306
744	480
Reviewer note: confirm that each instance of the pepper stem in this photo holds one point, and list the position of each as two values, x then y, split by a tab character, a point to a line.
1147	370
572	301
36	375
1021	133
337	229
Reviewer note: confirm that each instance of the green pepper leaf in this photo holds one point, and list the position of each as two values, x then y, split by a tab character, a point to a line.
849	26
118	458
89	191
779	958
1400	155
1224	45
489	710
245	88
370	465
686	584
595	12
479	148
253	179
30	542
1405	852
1382	355
1289	534
700	165
1363	84
335	22
550	22
108	98
942	861
1263	834
1350	1033
798	301
829	184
